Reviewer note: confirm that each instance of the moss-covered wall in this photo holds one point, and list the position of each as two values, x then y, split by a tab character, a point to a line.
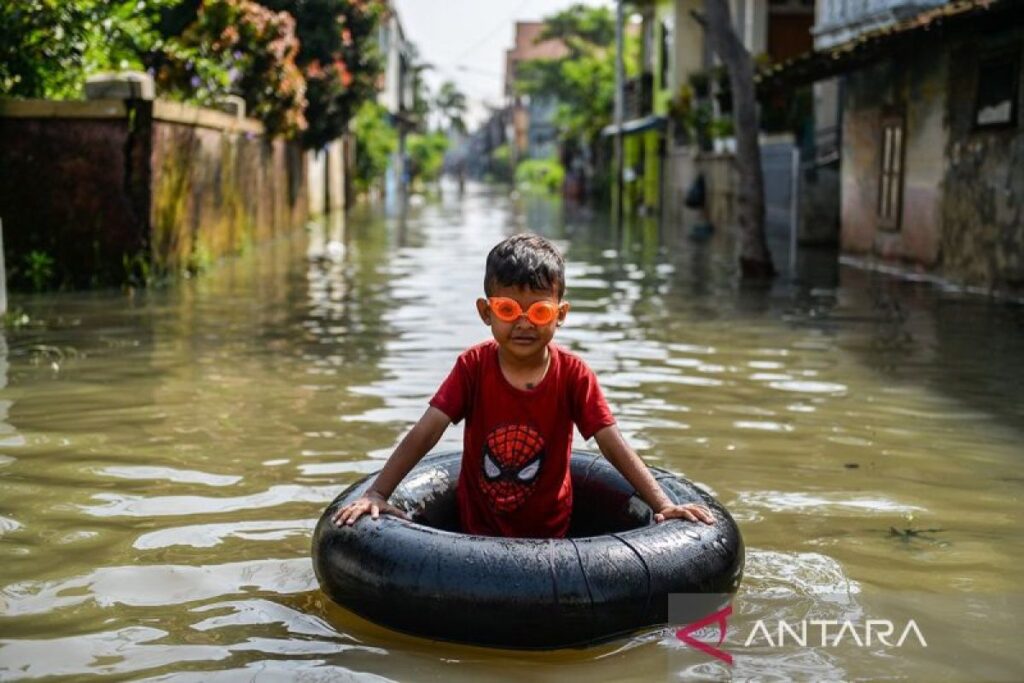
216	192
982	207
73	192
112	192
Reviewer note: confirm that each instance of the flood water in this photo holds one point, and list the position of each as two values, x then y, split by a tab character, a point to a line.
165	454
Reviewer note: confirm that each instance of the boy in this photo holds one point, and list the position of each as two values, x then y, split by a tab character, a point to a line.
520	395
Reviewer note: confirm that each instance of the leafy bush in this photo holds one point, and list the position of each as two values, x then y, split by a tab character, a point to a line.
339	58
239	46
300	65
540	174
501	163
426	155
376	141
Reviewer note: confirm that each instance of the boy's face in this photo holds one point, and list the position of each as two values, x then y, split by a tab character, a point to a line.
522	338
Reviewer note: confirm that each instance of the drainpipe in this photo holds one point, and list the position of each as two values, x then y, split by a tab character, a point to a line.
620	81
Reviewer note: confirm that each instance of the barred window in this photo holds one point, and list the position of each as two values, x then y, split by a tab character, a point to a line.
890	189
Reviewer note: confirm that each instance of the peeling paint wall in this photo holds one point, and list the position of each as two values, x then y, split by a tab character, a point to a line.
914	89
983	203
962	208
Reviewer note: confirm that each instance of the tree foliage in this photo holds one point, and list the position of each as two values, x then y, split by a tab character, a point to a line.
583	81
451	103
301	65
47	47
237	47
339	57
426	155
375	143
421	97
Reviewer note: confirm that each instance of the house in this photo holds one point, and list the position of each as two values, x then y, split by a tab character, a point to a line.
532	132
930	141
672	79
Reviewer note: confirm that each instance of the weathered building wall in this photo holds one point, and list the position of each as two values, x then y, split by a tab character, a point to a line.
73	189
914	92
922	91
962	208
861	157
983	201
114	190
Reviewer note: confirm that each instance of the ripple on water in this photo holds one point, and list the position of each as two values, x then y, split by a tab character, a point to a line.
169	474
136	649
210	535
762	425
797	501
121	505
7	525
159	585
807	387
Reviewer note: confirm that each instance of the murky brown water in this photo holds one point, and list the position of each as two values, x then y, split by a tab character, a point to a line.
164	455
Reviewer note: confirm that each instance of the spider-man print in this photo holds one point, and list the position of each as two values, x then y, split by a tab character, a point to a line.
512	458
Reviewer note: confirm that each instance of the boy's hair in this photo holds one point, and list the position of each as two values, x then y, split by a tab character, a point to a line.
525	260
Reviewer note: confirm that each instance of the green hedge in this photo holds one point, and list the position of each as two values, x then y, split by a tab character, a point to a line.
540	174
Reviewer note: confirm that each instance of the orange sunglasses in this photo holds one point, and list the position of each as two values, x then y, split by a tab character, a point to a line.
509	310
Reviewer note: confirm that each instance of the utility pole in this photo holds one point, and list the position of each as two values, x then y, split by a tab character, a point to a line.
620	106
3	273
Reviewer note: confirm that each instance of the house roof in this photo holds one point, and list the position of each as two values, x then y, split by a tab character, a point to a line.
877	43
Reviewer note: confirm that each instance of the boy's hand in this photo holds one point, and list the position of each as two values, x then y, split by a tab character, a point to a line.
371	502
691	511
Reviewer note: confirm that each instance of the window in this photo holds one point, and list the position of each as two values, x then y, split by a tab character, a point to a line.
996	103
890	189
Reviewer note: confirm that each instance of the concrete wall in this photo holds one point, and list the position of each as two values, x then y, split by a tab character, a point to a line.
982	207
963	187
117	190
916	90
316	180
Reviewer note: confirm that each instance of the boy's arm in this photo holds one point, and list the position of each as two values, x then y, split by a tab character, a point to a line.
614	447
420	439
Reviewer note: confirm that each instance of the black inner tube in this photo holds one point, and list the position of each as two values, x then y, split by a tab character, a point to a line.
612	576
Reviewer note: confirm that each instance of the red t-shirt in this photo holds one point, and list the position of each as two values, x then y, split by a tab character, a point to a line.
515	457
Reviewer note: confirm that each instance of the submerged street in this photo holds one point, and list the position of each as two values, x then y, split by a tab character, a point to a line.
164	454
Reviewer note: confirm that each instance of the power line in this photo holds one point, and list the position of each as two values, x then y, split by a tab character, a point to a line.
497	27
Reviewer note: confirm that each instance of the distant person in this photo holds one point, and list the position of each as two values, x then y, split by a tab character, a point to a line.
520	395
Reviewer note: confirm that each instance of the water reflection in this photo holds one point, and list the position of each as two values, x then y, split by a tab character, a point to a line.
164	454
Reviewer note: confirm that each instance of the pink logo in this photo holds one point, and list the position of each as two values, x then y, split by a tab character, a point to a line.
685	634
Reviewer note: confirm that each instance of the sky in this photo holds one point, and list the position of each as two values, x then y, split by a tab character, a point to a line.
466	40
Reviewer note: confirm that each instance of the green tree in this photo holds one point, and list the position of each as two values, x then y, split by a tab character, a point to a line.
339	57
451	104
421	98
47	47
235	47
583	81
426	156
198	50
376	141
